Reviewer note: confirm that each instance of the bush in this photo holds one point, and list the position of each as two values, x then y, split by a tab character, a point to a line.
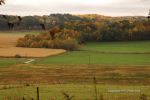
65	39
70	44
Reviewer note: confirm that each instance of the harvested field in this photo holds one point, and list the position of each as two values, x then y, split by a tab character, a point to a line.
9	40
28	52
8	49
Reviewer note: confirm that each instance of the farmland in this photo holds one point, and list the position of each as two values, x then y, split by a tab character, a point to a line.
8	47
116	65
20	80
81	66
134	53
78	91
67	50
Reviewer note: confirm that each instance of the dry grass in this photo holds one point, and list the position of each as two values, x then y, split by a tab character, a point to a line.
61	74
28	52
8	49
9	40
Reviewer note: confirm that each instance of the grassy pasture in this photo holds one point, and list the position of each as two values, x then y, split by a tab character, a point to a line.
121	47
79	57
119	65
8	62
79	91
63	74
104	53
76	80
129	53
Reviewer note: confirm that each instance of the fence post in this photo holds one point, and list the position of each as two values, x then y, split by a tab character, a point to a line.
95	87
143	97
101	97
23	98
38	96
89	59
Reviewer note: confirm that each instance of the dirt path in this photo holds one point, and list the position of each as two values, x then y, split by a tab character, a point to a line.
29	61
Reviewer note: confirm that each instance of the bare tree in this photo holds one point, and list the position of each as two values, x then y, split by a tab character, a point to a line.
2	2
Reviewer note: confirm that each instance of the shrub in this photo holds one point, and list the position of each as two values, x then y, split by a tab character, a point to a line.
70	45
64	39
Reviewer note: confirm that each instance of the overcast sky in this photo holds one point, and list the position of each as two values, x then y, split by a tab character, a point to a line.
103	7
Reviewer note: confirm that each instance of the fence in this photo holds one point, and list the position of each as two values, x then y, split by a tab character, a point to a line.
107	95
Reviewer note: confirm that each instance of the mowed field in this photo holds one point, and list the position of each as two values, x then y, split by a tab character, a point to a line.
116	65
8	48
116	53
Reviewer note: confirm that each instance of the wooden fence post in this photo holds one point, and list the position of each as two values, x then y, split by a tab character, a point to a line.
89	59
23	98
143	97
38	96
95	88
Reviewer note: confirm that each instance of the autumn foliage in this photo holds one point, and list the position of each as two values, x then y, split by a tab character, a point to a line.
67	28
56	38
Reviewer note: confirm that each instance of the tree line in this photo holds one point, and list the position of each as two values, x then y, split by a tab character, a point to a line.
91	27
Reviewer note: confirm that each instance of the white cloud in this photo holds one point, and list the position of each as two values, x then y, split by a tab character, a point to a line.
107	7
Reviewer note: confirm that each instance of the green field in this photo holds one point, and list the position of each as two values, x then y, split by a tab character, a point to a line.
125	47
105	53
116	66
79	92
6	62
76	80
132	53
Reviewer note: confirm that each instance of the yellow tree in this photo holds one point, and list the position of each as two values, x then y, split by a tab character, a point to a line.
2	2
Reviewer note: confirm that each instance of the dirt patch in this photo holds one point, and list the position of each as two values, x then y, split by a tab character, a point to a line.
8	49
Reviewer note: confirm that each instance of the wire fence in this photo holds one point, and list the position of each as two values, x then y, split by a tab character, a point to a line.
95	94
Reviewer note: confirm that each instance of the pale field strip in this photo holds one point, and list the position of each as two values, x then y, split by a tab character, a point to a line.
8	49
